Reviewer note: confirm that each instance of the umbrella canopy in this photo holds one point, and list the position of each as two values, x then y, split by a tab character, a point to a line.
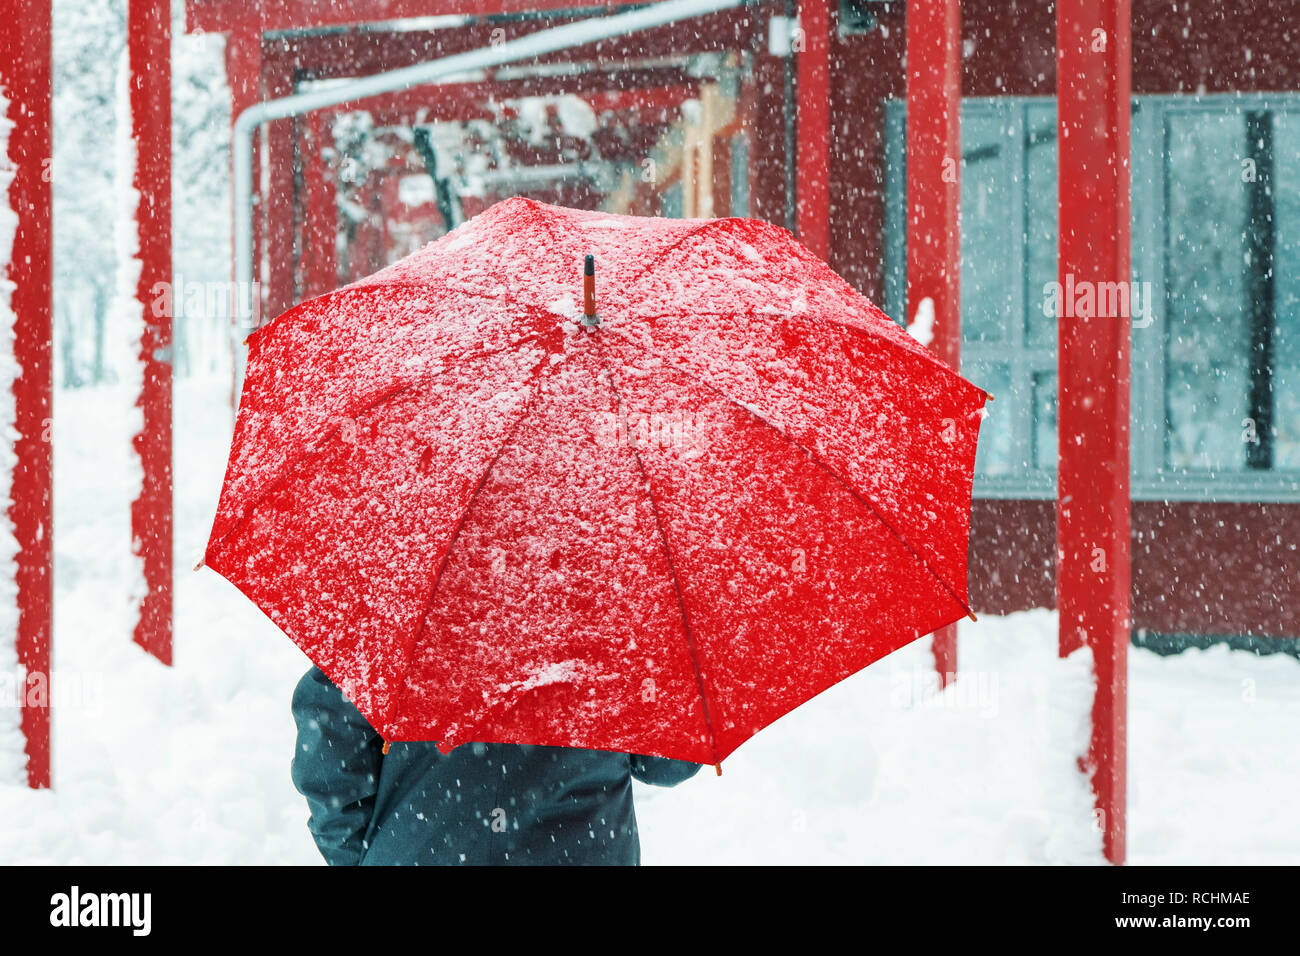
489	516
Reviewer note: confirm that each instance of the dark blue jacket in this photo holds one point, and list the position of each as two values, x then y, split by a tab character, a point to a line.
480	804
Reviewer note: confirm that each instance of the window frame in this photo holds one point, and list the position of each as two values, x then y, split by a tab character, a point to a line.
1150	479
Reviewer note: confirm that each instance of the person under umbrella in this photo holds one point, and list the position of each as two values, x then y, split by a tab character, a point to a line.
481	804
496	513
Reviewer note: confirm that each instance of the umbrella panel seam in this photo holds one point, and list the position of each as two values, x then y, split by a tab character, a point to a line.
812	456
672	565
365	408
873	336
540	374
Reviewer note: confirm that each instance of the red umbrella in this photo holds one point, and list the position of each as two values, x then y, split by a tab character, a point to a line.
488	514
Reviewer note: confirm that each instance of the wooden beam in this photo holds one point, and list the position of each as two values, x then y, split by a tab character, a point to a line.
321	215
481	100
244	74
149	52
1092	509
277	202
332	56
934	200
218	16
27	170
814	120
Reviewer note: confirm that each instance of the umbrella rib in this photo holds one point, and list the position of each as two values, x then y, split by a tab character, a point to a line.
811	455
418	286
539	374
363	286
368	406
713	223
672	565
871	335
545	217
668	249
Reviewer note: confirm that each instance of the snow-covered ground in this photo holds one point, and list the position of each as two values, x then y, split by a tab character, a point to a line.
190	765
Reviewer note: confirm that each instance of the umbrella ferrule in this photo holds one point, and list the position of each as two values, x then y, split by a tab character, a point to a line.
589	317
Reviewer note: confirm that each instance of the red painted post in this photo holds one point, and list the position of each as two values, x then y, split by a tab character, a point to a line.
934	199
244	72
25	83
1092	510
814	111
320	230
278	203
148	25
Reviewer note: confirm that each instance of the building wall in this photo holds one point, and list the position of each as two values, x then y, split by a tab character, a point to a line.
1198	567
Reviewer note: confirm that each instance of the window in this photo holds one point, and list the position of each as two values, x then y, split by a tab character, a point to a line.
671	202
1216	267
739	175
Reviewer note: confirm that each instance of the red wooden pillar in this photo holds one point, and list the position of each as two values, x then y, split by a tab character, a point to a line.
25	83
148	32
244	73
934	198
320	229
278	203
1092	511
765	127
814	112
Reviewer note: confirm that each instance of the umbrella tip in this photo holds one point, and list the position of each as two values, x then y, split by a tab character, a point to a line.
718	768
385	747
198	566
988	396
589	291
971	614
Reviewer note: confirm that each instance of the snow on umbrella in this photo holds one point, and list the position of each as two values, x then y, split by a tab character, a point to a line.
650	516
